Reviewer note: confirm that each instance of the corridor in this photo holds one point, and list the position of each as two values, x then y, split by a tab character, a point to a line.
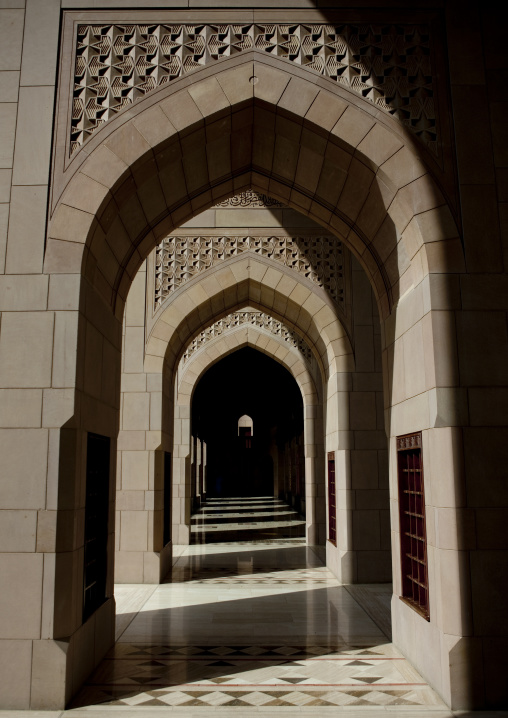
252	626
246	519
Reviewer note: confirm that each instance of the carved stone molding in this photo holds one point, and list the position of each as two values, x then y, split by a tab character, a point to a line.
390	65
319	259
250	198
255	319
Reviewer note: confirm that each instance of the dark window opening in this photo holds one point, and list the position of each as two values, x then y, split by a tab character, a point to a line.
167	498
96	524
413	541
332	506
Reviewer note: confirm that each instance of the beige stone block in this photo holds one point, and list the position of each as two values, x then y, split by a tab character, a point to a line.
15	663
23	292
129	567
63	257
7	133
24	455
104	166
437	224
355	189
33	135
20	408
133	361
136	408
236	83
134	531
270	84
208	96
25	248
9	85
130	500
11	38
4	223
378	146
128	144
64	292
20	599
5	187
455	529
46	537
182	111
298	96
325	110
65	349
414	363
17	531
402	168
71	224
58	407
25	335
154	126
352	126
135	307
131	441
40	42
135	470
446	467
86	194
134	382
410	415
455	592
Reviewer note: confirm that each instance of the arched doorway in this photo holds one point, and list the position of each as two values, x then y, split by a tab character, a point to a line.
259	455
364	191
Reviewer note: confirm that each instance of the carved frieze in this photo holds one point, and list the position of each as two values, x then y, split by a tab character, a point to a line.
250	198
255	319
390	65
319	259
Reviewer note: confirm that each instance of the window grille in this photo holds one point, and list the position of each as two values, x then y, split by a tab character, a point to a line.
413	541
332	505
167	498
96	524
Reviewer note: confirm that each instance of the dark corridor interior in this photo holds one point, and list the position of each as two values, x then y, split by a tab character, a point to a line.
266	460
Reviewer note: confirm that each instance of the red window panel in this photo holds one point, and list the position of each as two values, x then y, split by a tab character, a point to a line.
413	540
332	503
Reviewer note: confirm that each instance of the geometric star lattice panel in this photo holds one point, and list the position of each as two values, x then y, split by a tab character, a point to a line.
255	319
390	65
319	259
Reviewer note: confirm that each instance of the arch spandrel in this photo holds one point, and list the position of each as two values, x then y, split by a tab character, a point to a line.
186	315
155	184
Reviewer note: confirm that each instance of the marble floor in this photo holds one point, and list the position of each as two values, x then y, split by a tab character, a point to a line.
253	627
245	519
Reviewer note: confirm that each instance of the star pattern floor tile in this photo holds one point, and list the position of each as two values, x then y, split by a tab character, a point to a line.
255	625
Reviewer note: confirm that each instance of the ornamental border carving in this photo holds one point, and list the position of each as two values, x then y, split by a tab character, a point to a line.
252	318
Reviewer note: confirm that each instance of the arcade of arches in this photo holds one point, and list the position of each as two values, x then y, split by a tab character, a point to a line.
252	261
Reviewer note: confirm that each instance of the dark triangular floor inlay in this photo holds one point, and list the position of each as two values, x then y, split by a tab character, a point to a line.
366	679
293	680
